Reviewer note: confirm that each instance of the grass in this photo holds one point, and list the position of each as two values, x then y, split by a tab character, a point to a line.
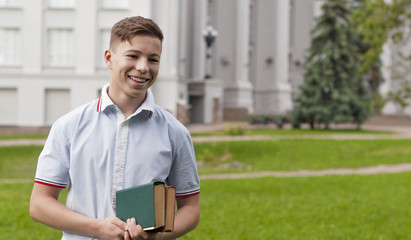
310	208
299	154
23	136
18	162
14	214
246	132
330	207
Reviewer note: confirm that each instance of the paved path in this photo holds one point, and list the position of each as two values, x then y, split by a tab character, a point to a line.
22	142
380	169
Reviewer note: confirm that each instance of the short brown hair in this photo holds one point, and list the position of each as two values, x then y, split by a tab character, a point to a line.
129	27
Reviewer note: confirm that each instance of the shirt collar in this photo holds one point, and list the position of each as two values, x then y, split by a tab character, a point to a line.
105	101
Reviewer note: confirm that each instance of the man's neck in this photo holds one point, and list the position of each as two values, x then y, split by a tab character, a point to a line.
128	105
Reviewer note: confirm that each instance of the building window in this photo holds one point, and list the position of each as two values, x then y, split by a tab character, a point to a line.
117	4
60	48
61	3
8	106
57	104
10	47
104	45
10	3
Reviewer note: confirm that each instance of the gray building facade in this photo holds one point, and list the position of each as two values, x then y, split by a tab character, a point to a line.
51	56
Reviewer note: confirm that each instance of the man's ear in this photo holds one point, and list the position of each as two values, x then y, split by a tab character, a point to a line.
107	58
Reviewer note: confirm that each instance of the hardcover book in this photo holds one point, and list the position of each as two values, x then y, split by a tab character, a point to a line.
145	203
170	208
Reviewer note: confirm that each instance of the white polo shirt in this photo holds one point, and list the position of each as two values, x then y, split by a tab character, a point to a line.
96	152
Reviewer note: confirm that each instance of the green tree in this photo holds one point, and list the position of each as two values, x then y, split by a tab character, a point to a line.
377	21
333	90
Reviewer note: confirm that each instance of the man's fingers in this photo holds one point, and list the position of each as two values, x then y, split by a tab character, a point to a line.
126	235
135	231
117	221
144	235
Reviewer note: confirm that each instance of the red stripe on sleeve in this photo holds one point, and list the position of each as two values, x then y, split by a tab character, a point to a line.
48	184
188	195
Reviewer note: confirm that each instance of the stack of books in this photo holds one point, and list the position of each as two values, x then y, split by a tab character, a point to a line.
152	205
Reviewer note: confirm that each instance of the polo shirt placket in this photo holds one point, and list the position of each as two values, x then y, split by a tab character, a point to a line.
120	153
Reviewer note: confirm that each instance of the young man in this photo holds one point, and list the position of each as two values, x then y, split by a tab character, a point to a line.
118	141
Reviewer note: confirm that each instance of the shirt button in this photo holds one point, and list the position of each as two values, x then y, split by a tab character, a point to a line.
118	170
121	146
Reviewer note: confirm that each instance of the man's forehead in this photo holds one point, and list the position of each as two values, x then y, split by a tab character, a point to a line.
140	42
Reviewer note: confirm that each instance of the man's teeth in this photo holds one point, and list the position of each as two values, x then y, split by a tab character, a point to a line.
140	80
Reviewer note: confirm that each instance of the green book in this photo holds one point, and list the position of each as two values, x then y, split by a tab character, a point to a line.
145	203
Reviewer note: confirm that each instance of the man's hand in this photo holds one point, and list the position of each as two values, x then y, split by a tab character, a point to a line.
111	228
45	208
134	232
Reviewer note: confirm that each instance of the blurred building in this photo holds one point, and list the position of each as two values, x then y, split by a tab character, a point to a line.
51	56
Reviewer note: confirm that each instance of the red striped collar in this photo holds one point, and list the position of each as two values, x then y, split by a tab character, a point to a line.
99	104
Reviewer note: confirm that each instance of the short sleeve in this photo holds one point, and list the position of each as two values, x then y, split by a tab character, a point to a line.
53	163
183	174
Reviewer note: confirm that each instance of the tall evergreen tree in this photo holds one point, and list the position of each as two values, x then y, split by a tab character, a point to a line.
333	90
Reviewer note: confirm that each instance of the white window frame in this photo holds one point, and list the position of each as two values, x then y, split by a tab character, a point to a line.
10	3
61	4
60	47
10	47
115	4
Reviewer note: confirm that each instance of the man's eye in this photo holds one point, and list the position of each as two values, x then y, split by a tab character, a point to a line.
154	60
132	56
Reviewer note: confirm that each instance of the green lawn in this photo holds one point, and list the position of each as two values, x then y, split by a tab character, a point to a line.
14	215
309	208
327	208
298	154
19	162
23	136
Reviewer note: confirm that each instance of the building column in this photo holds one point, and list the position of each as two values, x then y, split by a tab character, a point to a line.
86	39
270	42
166	90
302	21
32	37
231	55
282	87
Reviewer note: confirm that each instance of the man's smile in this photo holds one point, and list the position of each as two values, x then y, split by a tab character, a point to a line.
138	79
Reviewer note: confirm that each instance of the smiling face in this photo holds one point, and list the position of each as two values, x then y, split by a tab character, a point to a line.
134	68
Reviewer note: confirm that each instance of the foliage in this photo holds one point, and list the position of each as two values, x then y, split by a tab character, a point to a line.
378	21
333	91
234	129
279	120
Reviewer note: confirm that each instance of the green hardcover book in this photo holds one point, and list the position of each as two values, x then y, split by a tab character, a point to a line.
145	203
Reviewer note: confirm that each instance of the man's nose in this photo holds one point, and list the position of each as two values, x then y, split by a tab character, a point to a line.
142	65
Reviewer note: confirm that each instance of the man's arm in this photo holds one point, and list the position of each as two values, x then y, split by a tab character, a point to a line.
186	219
45	208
